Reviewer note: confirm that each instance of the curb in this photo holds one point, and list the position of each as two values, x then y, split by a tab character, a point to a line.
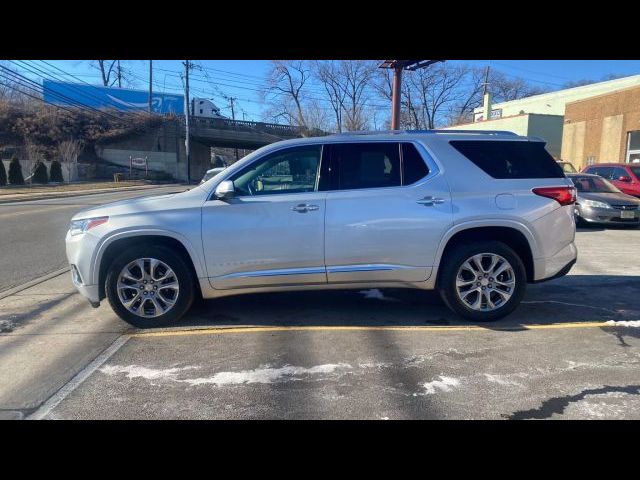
32	283
83	193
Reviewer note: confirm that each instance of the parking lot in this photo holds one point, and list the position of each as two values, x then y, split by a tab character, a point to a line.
571	350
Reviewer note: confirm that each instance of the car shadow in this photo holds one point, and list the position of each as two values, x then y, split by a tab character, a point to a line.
570	299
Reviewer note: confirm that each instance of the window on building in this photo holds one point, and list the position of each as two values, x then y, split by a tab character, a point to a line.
633	147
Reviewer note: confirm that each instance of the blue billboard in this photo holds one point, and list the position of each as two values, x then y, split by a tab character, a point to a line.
79	95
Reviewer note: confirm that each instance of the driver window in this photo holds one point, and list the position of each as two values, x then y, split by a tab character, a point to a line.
294	170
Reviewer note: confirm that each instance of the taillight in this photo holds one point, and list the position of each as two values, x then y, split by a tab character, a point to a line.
562	195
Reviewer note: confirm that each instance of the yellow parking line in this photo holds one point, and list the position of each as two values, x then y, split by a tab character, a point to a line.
354	328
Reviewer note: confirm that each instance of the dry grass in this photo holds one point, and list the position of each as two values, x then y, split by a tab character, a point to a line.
11	190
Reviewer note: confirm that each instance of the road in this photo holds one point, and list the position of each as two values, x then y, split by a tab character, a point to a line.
32	233
570	351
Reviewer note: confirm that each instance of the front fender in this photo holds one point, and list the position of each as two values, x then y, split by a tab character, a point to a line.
195	253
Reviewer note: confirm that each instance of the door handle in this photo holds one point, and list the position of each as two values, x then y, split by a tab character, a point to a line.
430	201
304	208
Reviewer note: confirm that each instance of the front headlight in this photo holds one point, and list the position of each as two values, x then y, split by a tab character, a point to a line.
595	204
82	225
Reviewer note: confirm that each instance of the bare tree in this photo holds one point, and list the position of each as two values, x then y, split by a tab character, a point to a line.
284	90
112	72
69	151
328	74
356	77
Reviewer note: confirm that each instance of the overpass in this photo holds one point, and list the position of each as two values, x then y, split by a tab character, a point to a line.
222	132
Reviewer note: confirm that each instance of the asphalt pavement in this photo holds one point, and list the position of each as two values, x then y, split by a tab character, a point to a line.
32	232
571	350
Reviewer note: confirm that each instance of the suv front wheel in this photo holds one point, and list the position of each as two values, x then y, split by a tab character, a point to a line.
149	286
483	281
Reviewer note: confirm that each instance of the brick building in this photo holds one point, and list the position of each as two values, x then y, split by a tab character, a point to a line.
604	128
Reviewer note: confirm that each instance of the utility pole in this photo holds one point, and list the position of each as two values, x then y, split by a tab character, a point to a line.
233	117
398	66
119	75
187	114
486	81
150	87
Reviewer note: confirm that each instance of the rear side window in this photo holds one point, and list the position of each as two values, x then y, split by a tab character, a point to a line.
510	159
413	166
365	165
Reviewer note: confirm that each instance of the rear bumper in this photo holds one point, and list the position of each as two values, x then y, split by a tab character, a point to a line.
553	267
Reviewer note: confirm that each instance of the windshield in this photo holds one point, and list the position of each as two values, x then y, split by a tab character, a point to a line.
593	185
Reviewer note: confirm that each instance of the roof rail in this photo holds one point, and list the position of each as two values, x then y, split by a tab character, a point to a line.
432	132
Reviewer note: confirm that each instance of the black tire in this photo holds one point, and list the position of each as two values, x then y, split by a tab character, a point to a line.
449	270
179	266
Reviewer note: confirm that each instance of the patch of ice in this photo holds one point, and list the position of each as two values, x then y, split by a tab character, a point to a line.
265	375
135	371
445	384
624	323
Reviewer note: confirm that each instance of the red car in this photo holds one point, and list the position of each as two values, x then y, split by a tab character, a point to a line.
625	176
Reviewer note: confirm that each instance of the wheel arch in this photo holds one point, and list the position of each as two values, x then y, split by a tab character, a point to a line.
513	234
116	244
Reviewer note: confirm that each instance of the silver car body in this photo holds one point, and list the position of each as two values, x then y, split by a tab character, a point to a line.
377	237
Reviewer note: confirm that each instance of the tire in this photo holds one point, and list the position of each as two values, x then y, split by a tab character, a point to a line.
452	265
178	299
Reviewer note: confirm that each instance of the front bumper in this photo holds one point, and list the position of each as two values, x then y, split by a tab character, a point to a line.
80	250
608	216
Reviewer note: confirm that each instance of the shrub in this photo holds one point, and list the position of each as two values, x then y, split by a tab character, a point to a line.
55	173
3	174
15	172
40	173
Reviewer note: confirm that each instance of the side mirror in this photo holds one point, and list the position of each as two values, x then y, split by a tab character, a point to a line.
624	178
225	190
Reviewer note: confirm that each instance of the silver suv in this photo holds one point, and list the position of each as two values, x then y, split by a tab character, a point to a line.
475	215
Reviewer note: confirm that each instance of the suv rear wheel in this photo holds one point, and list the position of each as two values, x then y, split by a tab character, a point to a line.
483	281
149	286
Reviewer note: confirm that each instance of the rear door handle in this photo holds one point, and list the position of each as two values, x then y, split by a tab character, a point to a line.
430	201
304	208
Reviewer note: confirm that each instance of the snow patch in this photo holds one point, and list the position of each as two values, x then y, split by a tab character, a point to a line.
135	371
445	384
265	375
624	323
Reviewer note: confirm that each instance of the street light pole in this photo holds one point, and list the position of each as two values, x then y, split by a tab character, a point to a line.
187	114
396	90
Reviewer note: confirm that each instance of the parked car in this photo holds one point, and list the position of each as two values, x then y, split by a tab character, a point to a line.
600	202
475	215
211	173
625	176
567	167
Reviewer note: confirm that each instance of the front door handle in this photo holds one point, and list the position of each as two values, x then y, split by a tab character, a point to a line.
430	201
304	208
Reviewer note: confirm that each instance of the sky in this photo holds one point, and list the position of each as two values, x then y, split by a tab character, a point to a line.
241	79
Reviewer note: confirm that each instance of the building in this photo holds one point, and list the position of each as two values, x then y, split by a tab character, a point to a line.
604	128
541	115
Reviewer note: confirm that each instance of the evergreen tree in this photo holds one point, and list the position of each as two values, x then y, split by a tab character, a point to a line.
15	172
55	173
3	174
40	173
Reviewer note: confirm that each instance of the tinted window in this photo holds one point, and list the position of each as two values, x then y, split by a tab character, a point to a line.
602	171
510	159
636	171
413	166
619	172
365	165
289	171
